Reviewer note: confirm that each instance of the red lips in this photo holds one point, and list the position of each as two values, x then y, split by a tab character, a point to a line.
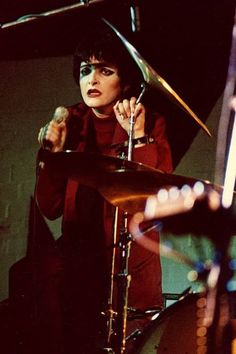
93	93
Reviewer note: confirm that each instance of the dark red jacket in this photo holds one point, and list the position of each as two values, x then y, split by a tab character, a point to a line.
56	197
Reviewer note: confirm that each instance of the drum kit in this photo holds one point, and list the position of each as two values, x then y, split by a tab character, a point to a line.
189	206
166	202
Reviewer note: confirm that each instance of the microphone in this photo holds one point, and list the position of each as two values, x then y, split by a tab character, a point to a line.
135	18
60	115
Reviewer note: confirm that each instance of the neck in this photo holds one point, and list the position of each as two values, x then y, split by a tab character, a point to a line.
100	114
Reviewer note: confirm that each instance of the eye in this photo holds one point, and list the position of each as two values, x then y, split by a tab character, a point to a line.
86	70
106	71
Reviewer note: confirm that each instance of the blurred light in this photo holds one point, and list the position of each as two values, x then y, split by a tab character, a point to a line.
162	195
198	188
231	285
232	264
174	193
192	275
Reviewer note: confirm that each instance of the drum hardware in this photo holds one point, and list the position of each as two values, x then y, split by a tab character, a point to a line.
116	320
174	331
134	314
225	172
118	180
199	211
134	335
123	281
123	276
110	313
121	182
106	350
55	12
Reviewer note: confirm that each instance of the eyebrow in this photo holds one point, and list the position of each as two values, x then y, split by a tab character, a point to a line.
97	65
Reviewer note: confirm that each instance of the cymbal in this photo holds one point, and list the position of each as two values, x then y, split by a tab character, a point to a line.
199	213
129	189
152	78
76	164
125	184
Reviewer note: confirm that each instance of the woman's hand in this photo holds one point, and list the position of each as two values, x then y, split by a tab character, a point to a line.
53	134
124	109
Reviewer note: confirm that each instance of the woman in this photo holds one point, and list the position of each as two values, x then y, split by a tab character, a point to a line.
109	84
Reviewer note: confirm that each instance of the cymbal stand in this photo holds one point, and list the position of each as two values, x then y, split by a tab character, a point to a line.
221	310
123	277
124	245
221	316
131	125
217	315
123	280
110	313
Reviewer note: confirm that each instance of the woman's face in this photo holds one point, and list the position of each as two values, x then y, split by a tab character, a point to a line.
100	85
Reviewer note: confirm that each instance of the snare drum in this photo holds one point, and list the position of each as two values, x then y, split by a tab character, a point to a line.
177	330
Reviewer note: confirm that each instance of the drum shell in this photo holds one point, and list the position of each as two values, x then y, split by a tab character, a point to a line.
176	330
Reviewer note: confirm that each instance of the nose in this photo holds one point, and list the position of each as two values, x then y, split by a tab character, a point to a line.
93	78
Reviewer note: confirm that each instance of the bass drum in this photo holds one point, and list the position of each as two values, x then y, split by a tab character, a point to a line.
177	330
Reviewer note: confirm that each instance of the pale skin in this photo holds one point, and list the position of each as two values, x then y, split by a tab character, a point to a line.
232	103
101	90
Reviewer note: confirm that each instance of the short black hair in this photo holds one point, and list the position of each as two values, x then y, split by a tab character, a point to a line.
102	42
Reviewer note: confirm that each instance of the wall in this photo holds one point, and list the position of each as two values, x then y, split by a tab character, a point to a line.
198	162
30	90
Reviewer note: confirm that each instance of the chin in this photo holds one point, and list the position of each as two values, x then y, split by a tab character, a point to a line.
93	103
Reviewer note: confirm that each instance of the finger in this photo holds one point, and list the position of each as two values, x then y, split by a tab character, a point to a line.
115	107
49	133
139	108
125	108
54	130
119	111
133	104
40	134
43	133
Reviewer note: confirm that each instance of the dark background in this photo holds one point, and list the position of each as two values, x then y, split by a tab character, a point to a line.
187	42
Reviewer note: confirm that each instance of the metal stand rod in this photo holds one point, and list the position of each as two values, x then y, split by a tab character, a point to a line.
116	338
62	10
224	122
125	243
217	310
123	279
131	125
111	314
230	174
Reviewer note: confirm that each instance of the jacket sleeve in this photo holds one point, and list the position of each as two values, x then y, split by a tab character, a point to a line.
156	154
50	187
50	192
